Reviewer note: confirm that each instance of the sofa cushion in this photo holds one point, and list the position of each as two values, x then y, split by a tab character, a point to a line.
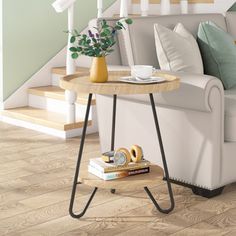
123	35
218	53
141	33
230	115
231	23
177	50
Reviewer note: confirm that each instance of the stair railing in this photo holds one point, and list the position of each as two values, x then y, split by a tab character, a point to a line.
100	8
70	96
184	6
144	5
123	8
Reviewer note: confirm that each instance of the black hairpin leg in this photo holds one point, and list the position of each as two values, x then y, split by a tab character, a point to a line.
75	183
113	130
172	202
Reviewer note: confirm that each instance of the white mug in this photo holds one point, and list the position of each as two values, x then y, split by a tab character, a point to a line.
142	71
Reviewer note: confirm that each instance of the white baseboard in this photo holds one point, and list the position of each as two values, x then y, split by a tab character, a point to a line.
54	132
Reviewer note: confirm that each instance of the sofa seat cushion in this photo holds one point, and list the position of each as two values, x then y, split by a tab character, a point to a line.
230	115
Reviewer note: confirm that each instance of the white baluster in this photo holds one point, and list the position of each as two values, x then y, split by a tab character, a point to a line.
184	6
123	8
144	7
70	96
70	63
100	8
60	6
165	7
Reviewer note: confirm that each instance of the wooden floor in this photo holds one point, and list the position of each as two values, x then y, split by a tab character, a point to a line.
35	182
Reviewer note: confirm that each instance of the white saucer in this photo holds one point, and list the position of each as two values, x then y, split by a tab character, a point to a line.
133	80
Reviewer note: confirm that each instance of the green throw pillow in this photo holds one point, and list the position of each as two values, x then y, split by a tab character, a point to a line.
218	53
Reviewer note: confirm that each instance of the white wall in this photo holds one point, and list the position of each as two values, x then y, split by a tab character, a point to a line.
220	6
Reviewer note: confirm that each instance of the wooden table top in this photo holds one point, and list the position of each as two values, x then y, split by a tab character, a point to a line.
81	84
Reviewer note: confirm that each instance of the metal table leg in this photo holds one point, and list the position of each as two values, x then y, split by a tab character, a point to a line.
75	183
172	202
113	130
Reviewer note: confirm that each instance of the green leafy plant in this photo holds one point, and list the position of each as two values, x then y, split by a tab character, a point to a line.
99	43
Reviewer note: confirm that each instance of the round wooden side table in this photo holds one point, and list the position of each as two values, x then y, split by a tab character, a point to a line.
82	84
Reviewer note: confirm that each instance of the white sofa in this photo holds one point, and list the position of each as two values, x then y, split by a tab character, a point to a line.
198	121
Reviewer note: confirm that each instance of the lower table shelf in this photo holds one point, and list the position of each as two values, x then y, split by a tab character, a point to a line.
136	182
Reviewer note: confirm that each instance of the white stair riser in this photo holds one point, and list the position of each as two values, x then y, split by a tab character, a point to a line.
54	132
55	105
56	79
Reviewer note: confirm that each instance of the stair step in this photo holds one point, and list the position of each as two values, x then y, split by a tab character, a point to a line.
58	93
43	117
62	70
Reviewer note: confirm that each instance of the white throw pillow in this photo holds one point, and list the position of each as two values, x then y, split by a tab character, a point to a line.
177	50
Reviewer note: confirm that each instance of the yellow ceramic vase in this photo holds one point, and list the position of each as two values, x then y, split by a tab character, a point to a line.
98	71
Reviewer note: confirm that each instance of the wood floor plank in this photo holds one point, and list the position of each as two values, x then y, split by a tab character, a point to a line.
178	221
36	172
31	190
226	220
202	229
104	200
12	185
12	209
18	222
191	215
10	167
137	217
140	230
231	233
19	173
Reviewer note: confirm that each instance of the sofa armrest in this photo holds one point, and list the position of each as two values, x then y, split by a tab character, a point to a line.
193	94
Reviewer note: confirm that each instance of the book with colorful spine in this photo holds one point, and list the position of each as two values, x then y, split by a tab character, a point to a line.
109	171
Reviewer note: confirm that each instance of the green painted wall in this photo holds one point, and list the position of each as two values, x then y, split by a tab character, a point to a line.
33	34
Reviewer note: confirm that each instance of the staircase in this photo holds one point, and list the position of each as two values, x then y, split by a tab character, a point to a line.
46	110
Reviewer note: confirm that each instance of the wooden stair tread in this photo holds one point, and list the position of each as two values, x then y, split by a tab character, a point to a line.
43	117
136	182
62	70
58	93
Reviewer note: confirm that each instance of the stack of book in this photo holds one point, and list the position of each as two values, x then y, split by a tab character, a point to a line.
109	171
